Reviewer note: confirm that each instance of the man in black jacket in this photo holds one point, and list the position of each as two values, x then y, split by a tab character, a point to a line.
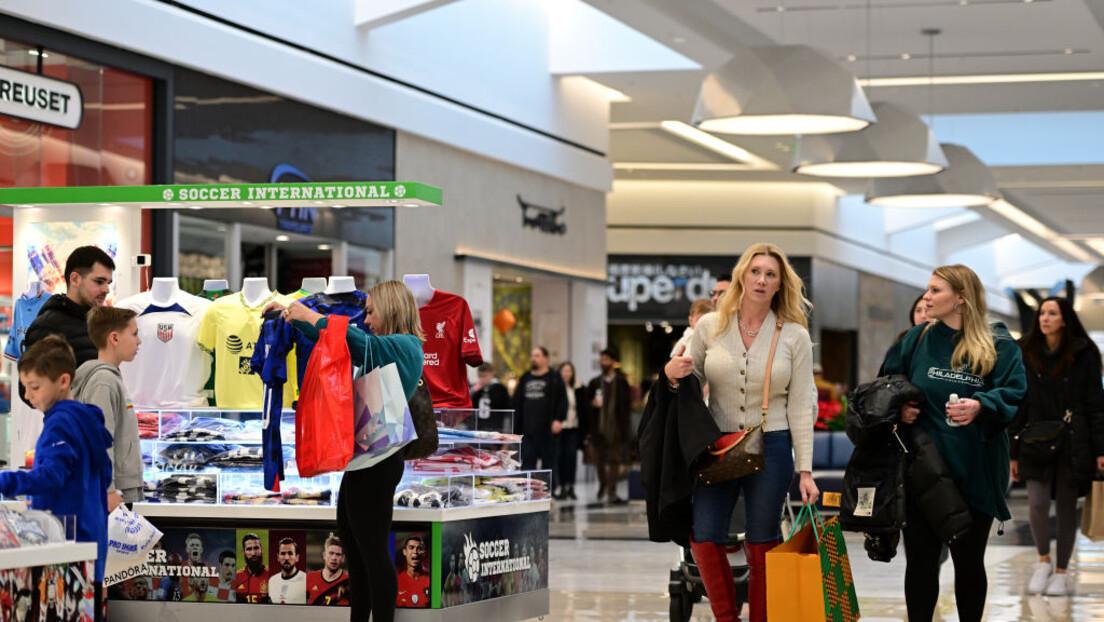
610	403
540	403
88	275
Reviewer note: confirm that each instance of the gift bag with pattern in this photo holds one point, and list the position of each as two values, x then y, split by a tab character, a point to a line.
809	575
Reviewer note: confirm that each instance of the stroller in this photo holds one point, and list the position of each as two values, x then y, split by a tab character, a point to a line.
686	587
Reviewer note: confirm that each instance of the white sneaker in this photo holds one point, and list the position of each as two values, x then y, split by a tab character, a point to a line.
1038	582
1057	585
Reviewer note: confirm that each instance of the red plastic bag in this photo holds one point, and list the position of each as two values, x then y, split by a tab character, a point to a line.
324	417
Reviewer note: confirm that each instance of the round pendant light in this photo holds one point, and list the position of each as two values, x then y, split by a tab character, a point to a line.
781	89
966	182
900	144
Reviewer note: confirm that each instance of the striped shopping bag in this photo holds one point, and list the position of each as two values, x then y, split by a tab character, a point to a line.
809	575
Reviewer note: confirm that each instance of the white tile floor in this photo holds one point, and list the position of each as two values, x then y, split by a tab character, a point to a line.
604	578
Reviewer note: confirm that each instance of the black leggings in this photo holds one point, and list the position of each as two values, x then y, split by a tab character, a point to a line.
922	547
364	522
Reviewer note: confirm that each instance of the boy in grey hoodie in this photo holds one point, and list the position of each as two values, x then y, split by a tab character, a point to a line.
99	382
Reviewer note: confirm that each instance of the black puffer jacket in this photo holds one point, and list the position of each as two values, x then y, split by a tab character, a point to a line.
1078	390
61	316
932	488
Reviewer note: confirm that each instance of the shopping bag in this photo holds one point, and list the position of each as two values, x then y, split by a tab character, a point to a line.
1092	515
809	575
382	419
324	416
129	538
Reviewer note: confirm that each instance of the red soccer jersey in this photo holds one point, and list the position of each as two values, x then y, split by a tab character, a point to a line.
413	591
250	588
323	592
450	344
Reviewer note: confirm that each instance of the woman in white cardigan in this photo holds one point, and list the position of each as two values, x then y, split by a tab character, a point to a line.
730	350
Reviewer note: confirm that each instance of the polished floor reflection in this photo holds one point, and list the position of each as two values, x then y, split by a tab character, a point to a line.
600	575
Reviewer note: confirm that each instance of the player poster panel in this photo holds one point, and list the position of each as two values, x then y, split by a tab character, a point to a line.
327	571
287	583
251	581
186	565
412	565
493	557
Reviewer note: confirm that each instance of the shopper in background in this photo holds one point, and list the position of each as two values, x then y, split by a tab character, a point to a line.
608	430
71	468
1064	393
567	441
723	283
488	393
100	383
697	310
88	275
540	405
959	354
364	500
730	351
918	314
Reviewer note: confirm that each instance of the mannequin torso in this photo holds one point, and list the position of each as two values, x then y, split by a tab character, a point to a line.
34	289
421	287
215	285
163	290
255	291
340	285
313	284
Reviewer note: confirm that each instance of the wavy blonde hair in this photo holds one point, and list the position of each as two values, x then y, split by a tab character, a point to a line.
789	302
976	347
398	311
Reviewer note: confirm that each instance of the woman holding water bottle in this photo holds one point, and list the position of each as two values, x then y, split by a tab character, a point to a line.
972	377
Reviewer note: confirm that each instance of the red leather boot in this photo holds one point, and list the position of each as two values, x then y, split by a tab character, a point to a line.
716	574
757	582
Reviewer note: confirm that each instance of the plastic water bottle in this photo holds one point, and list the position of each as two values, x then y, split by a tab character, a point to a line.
952	401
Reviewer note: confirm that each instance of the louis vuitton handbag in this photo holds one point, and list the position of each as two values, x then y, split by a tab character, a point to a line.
741	453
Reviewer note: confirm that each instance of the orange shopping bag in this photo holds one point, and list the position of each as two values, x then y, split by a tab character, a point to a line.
809	575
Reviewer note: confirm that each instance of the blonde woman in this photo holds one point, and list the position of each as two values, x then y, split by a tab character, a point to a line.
960	354
365	499
730	349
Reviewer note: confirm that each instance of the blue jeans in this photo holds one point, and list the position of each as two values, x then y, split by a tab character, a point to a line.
765	492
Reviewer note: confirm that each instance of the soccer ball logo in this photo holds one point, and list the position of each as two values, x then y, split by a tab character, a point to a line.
400	191
167	194
471	558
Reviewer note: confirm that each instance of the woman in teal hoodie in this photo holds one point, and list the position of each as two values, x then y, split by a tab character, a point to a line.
367	491
973	380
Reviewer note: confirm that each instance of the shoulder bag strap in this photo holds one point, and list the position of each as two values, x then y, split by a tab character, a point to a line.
770	366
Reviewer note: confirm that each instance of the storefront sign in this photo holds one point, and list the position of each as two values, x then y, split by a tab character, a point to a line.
541	218
40	99
492	557
287	192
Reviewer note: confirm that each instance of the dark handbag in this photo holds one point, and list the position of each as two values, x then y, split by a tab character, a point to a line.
1041	440
425	424
739	454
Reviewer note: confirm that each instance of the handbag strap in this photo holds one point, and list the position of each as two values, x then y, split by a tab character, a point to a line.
770	366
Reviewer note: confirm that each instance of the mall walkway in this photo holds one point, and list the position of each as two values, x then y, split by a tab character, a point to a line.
603	568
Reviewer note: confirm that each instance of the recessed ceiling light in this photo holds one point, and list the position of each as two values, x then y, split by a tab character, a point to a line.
268	207
338	206
411	205
107	204
679	40
906	56
247	202
324	247
282	238
1068	50
195	207
852	58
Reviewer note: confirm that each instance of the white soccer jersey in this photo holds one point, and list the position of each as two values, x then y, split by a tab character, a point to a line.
169	371
291	591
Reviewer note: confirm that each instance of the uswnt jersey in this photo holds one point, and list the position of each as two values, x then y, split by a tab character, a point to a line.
450	344
25	312
169	370
230	331
270	363
323	592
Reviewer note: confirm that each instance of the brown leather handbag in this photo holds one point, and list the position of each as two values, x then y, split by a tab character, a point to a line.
739	454
425	424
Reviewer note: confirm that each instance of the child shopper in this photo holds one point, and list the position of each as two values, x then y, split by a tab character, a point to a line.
71	470
98	382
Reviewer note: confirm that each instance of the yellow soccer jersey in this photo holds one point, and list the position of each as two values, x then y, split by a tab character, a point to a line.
229	332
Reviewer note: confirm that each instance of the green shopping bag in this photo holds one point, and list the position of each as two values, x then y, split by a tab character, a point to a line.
809	575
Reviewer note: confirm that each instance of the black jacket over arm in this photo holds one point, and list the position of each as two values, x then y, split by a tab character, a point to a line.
67	319
674	430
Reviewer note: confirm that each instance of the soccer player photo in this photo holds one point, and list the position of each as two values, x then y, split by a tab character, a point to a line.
330	584
288	586
412	567
251	582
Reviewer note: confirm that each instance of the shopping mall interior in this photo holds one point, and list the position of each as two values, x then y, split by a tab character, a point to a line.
557	180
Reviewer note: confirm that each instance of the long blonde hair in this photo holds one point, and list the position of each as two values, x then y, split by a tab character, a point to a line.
398	311
976	347
789	302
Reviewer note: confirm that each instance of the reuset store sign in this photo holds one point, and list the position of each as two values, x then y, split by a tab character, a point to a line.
36	98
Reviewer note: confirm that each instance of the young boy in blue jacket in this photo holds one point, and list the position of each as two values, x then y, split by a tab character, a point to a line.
72	470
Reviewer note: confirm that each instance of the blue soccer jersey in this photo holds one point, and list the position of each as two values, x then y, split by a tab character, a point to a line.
270	363
350	304
26	310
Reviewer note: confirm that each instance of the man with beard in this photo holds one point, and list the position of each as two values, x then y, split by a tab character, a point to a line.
414	582
139	589
609	423
251	584
540	404
329	586
290	586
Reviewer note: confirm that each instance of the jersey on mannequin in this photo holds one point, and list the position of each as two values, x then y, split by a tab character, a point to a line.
450	342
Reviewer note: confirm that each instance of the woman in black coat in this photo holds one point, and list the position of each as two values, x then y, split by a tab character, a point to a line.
1058	433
